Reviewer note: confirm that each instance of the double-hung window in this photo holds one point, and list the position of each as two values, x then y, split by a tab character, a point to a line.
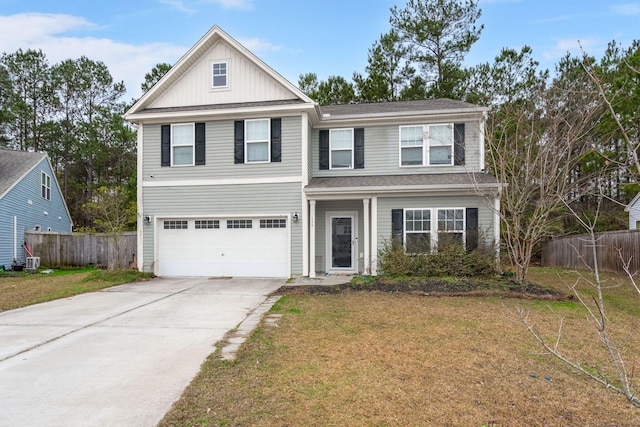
45	186
219	74
426	145
417	227
441	144
411	145
341	148
450	227
182	144
257	140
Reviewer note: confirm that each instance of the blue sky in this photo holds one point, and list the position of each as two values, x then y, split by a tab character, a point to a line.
328	37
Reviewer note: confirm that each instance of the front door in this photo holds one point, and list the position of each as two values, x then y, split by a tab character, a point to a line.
342	242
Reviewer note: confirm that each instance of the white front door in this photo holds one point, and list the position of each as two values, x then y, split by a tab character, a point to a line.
342	240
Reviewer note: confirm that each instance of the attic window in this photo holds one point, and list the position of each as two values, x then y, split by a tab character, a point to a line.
46	186
219	76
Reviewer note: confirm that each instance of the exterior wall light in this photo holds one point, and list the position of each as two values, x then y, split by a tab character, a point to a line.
295	217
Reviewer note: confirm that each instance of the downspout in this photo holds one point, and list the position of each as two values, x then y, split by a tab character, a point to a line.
15	239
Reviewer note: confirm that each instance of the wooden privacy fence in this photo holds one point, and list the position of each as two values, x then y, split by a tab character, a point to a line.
112	250
611	248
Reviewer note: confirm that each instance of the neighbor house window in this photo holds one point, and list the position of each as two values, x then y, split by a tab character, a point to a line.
182	144
450	226
426	145
46	186
341	148
257	137
417	228
219	78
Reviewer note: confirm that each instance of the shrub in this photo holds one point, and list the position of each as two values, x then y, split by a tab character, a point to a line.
449	260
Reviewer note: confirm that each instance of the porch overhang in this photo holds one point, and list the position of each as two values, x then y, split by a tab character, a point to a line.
325	188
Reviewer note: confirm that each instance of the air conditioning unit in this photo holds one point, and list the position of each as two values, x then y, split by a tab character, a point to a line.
33	263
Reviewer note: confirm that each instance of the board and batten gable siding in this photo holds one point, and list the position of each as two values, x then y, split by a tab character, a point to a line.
222	201
219	154
386	204
25	201
382	153
246	82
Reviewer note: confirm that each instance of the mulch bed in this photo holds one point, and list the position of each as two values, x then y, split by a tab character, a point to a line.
434	287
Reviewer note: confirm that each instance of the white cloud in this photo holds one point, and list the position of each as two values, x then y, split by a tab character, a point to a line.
179	5
126	62
257	45
627	9
233	4
572	46
191	6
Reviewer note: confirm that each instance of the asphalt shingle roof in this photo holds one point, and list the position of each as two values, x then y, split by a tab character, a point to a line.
423	106
400	181
14	165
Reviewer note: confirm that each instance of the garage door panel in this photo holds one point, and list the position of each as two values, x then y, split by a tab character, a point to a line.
248	252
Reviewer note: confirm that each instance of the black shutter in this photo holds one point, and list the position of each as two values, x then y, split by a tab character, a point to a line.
397	226
472	228
458	144
200	144
238	141
165	145
324	149
276	140
358	148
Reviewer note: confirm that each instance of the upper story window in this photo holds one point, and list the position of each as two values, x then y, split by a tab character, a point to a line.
257	140
341	148
219	74
45	186
432	145
182	144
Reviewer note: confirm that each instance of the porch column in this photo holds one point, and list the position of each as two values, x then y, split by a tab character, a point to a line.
374	236
367	238
312	238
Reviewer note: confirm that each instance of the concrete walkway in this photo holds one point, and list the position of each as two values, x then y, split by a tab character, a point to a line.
119	357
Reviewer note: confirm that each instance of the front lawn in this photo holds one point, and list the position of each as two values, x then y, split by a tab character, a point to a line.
25	288
397	359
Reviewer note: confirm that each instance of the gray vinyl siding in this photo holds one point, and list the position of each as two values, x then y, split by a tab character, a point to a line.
25	201
221	201
386	204
219	149
382	153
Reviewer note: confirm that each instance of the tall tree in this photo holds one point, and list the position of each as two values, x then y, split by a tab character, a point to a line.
388	71
438	34
31	101
334	90
152	77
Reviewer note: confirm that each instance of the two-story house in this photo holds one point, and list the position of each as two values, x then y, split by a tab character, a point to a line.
241	174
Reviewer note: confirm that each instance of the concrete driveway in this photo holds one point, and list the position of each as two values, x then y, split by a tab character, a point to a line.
119	357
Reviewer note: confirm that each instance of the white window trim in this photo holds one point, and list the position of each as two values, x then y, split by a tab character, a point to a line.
213	63
331	150
192	145
46	185
426	146
451	145
400	147
247	142
434	225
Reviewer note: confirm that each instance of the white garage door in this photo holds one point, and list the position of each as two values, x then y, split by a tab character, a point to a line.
249	247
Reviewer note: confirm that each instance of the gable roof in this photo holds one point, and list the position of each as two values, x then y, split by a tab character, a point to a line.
183	66
15	165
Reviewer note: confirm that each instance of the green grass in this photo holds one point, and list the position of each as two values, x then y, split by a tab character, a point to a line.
27	288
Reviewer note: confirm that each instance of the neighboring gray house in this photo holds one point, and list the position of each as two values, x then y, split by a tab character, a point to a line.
30	199
241	174
634	213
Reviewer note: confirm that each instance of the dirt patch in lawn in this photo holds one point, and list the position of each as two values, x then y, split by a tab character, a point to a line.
434	286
